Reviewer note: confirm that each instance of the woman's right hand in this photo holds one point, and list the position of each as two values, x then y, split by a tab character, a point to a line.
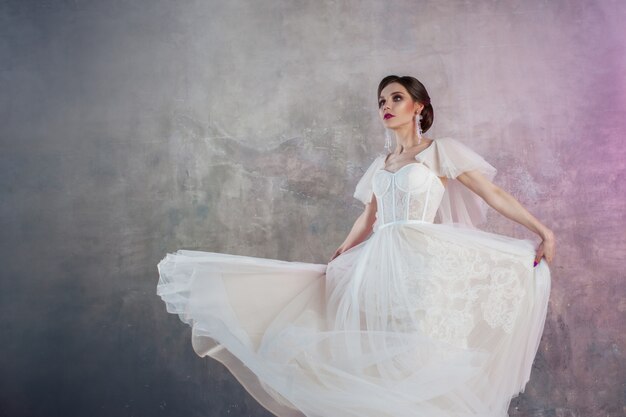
338	252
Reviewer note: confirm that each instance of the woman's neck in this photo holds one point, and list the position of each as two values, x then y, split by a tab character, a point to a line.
406	138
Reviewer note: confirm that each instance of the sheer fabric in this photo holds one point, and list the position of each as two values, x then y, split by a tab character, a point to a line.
427	317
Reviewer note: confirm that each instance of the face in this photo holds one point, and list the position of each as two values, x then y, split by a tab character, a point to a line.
396	101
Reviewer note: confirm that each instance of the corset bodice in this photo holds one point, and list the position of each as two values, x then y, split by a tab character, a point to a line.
413	193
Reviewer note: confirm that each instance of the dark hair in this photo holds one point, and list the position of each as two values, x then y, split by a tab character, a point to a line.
417	90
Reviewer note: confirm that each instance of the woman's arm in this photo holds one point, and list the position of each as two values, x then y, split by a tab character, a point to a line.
360	230
509	207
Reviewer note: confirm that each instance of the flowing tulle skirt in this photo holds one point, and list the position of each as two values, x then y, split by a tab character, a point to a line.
418	320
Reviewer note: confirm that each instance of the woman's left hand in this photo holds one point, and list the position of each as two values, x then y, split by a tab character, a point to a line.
546	248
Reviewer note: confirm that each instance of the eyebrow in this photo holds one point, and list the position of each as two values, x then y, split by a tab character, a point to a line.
395	92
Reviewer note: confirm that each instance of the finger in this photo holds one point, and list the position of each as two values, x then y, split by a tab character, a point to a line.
538	256
548	252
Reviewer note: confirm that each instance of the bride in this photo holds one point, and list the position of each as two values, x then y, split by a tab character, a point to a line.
418	312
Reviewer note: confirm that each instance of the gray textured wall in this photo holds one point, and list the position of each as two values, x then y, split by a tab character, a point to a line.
132	128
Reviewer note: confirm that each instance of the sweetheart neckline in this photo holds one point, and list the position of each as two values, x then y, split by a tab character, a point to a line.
411	163
401	168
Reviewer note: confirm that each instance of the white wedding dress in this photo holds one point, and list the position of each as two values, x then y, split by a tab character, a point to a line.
430	316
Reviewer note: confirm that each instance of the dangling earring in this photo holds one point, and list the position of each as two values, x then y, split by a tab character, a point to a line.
418	128
387	140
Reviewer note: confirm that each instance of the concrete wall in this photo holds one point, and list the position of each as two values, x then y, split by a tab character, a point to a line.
134	128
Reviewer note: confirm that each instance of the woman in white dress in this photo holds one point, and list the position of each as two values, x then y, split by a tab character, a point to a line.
428	316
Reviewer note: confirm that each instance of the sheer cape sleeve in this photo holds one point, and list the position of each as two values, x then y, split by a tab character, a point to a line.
449	158
364	190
